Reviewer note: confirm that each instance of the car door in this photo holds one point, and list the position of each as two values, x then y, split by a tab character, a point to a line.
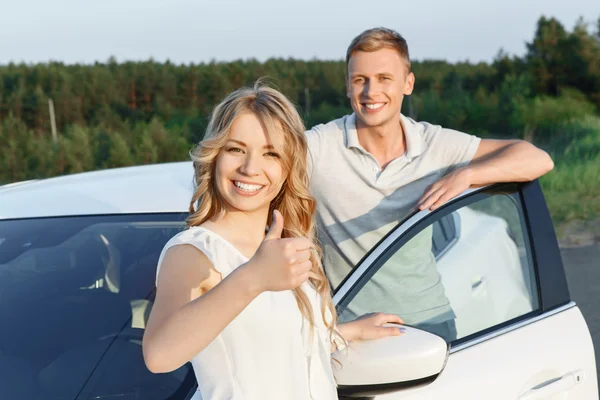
517	333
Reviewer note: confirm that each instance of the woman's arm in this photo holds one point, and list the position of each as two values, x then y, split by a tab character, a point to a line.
370	326
192	307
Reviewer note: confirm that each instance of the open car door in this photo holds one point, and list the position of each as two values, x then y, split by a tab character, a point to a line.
517	333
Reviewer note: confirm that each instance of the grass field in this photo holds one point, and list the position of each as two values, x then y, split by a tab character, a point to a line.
572	189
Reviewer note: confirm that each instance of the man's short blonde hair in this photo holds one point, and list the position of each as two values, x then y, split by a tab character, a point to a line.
377	39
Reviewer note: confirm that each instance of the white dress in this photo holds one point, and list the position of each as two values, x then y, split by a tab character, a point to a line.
267	351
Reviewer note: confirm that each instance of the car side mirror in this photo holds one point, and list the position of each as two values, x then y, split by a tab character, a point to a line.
373	367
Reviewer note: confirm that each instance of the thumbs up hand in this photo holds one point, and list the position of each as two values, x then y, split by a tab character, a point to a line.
276	228
280	264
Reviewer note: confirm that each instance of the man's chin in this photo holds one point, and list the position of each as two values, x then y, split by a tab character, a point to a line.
371	121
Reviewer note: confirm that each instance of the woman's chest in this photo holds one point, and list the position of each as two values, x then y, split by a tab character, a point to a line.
272	313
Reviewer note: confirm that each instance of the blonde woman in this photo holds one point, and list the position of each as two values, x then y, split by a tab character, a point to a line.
250	307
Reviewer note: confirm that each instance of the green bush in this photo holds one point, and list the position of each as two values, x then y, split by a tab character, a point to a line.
572	189
543	118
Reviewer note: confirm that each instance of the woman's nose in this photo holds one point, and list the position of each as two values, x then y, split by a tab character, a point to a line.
251	166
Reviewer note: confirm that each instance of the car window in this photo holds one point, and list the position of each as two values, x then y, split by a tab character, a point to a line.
463	271
444	235
75	295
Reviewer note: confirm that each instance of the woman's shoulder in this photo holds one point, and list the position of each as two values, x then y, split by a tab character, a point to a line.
205	240
188	247
190	235
195	236
223	255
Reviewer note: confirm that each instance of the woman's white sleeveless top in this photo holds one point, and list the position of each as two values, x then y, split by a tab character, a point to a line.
267	352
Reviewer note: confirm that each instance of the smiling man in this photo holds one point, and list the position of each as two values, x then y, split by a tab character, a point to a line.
370	169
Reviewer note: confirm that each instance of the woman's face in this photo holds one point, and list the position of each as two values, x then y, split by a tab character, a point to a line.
248	173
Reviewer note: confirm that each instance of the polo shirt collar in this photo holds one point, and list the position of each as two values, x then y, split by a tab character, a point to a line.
351	134
415	145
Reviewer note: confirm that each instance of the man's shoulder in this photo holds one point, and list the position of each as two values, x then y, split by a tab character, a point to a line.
449	146
335	127
424	127
328	137
426	130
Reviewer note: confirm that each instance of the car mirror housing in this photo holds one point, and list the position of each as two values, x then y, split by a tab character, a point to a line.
372	367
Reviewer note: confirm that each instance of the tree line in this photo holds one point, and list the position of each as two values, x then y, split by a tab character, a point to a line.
111	114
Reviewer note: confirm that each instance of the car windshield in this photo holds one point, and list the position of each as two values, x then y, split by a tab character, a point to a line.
75	295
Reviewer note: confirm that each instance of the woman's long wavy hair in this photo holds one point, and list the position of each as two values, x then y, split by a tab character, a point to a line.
297	206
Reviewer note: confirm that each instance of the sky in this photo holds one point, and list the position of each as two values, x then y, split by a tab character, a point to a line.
186	31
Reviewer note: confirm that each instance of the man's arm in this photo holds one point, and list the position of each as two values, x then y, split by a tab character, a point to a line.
495	161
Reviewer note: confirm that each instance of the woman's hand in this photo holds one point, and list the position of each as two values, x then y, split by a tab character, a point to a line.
279	264
370	326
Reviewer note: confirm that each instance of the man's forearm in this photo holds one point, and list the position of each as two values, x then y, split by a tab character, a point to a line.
519	161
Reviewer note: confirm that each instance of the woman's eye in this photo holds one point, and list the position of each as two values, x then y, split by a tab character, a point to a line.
272	154
234	150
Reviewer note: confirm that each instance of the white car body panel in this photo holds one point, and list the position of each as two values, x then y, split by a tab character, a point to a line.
510	366
142	189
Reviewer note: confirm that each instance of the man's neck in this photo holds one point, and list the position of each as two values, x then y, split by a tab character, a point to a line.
385	143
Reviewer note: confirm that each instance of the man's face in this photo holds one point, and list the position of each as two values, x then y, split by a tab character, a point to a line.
377	82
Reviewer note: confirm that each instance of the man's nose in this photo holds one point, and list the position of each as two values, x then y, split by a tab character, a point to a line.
370	88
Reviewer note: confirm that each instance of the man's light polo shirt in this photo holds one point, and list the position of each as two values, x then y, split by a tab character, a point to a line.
358	203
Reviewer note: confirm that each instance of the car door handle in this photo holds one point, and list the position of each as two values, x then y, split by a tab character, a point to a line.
553	386
478	284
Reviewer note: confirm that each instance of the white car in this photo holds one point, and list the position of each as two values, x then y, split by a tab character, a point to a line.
78	258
